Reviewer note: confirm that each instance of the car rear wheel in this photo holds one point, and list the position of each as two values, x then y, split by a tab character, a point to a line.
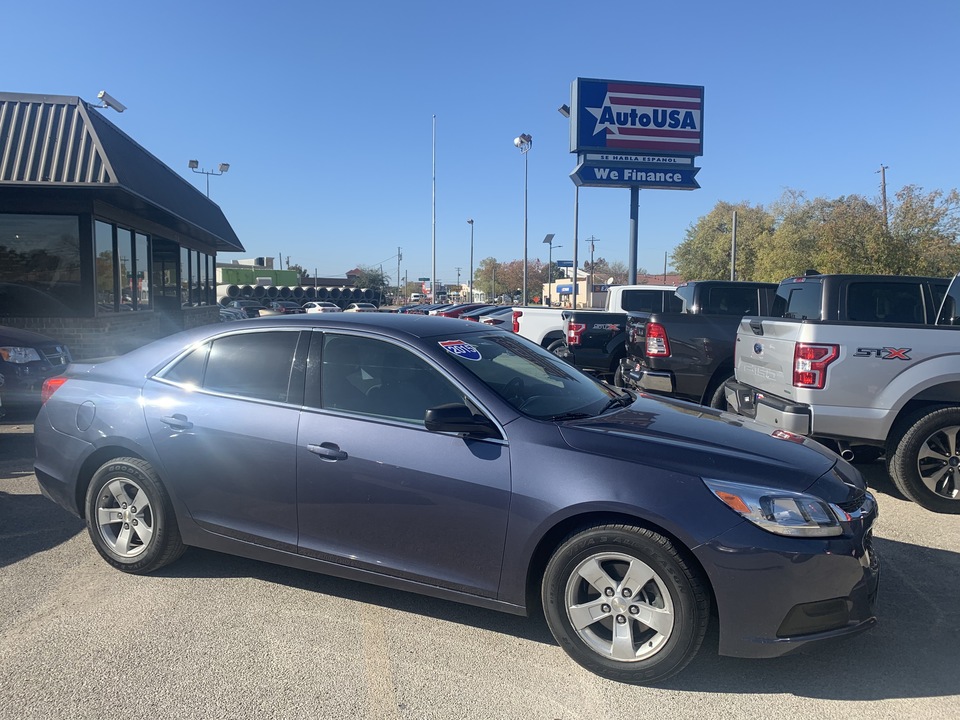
130	518
924	459
623	603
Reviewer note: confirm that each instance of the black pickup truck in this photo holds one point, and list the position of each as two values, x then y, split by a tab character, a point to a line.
690	354
594	339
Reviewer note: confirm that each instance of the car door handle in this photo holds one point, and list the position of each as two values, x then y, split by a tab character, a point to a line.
178	422
328	452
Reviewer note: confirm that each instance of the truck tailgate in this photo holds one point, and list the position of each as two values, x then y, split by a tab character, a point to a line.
764	354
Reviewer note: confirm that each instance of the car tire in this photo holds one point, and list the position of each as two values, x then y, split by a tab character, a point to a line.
923	459
556	345
624	603
130	518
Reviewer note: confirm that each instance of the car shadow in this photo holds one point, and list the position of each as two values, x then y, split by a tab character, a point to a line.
31	524
912	653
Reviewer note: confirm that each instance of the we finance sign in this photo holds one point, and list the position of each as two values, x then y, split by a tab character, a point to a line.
636	118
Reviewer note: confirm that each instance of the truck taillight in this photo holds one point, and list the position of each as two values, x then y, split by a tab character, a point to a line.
50	386
517	314
657	343
810	364
574	331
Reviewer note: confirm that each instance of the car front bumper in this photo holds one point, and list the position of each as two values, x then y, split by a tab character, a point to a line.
798	592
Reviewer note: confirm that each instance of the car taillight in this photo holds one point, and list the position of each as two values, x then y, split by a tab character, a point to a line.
574	331
50	386
810	364
516	320
657	343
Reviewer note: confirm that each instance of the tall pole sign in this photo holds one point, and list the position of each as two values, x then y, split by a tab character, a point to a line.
635	135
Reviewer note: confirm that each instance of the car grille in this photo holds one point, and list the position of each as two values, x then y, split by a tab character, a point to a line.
56	355
854	503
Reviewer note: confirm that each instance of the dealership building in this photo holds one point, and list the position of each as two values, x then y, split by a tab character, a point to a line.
102	246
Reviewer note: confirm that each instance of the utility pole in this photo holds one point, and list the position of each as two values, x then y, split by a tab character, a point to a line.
591	240
399	293
883	193
733	248
458	283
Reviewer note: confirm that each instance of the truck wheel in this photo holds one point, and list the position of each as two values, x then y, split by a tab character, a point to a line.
623	603
555	345
618	378
923	459
719	399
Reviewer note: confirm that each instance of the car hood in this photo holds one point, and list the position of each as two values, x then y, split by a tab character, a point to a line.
700	441
25	338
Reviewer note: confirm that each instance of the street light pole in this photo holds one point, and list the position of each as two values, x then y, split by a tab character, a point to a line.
195	166
470	222
524	142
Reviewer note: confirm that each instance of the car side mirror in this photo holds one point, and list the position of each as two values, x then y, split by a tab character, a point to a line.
458	418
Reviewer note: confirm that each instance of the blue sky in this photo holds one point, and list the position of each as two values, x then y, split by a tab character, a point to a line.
324	111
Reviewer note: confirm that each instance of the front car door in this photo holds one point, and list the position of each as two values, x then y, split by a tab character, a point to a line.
378	491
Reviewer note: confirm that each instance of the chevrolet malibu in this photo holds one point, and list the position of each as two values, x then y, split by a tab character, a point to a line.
464	462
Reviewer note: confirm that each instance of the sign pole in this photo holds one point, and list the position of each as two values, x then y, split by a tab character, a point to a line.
634	218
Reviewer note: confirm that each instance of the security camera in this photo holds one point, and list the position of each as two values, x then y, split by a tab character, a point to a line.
110	101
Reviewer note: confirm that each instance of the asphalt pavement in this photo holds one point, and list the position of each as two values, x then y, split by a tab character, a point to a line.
214	636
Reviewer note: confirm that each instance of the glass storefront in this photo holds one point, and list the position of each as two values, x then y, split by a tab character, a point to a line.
40	265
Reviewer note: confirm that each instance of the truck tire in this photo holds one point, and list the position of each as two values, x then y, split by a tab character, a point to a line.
555	345
718	399
923	459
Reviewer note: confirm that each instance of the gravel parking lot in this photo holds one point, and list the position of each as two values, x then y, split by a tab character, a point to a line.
214	636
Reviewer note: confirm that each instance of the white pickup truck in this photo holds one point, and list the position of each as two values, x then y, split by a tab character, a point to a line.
870	364
545	325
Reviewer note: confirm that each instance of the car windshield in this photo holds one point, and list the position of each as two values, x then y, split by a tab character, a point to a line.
533	381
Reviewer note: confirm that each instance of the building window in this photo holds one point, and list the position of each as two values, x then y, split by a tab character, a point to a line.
40	265
197	278
122	260
140	281
106	267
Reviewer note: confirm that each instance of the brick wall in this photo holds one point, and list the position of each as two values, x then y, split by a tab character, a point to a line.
115	334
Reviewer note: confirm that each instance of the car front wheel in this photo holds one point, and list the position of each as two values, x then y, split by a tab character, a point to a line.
623	603
130	518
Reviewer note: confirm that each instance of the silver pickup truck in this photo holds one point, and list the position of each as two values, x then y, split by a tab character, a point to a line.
869	364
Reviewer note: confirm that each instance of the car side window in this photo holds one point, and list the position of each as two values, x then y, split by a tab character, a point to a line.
376	378
262	365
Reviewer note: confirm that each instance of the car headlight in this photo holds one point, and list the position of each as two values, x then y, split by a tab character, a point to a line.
779	511
19	355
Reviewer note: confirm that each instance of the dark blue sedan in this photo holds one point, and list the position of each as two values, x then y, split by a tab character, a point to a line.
463	462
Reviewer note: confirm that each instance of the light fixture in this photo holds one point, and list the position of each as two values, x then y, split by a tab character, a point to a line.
107	100
195	166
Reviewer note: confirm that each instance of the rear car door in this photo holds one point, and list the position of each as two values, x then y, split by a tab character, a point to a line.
223	419
376	489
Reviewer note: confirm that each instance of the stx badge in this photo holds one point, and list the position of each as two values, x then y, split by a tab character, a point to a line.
886	353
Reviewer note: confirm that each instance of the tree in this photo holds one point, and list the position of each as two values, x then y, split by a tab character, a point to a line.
704	253
302	274
372	278
924	229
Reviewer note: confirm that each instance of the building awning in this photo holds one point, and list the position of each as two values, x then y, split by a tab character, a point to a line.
64	142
